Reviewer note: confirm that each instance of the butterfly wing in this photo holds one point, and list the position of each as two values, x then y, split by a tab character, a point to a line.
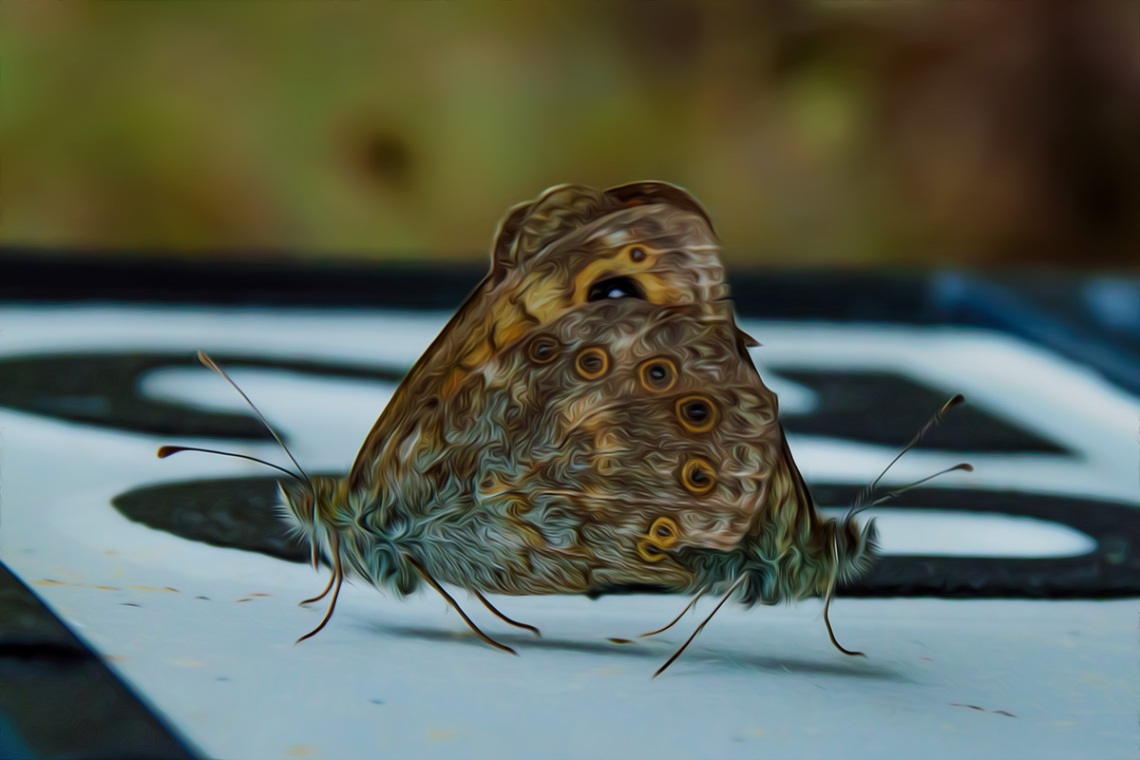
549	257
590	418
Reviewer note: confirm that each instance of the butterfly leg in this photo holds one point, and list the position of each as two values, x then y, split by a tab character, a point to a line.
338	577
700	627
831	592
827	622
674	621
442	592
320	596
506	619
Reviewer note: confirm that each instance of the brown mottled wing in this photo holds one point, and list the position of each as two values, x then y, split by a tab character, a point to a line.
558	440
585	470
549	258
405	394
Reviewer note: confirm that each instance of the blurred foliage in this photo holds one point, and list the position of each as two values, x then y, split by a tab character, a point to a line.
816	132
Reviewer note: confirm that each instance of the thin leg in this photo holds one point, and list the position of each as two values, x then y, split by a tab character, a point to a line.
338	578
700	627
831	586
321	595
672	623
458	609
827	622
506	619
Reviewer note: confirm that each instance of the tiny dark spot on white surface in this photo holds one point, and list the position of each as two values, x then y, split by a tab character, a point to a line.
972	707
376	701
203	597
223	678
130	604
619	641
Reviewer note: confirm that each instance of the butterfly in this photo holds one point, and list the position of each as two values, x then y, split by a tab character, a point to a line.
590	421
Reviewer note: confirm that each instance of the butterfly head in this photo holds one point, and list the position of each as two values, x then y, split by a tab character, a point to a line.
855	547
315	510
789	552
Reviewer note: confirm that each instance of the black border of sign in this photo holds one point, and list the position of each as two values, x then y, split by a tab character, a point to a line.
1025	306
43	276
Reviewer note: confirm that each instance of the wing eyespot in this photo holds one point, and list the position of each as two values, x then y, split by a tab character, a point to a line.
649	552
591	363
698	476
664	532
544	349
657	375
697	414
615	287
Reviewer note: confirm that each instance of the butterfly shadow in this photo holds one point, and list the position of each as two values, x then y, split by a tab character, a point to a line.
848	667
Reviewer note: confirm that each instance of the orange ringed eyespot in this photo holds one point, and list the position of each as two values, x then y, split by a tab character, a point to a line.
657	375
663	532
648	552
698	477
697	413
592	363
543	349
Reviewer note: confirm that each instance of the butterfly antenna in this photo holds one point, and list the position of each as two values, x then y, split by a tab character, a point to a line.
338	576
303	478
700	627
866	493
964	467
166	451
206	360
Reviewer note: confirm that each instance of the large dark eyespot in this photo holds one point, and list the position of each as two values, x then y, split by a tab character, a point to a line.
664	532
698	477
543	349
697	413
592	363
615	287
657	375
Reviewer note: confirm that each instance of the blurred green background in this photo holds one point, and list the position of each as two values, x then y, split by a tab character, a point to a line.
825	132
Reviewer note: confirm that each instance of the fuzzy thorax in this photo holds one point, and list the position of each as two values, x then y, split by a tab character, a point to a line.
831	553
328	517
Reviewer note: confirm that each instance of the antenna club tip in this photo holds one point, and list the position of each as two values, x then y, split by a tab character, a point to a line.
208	362
165	451
954	401
965	467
